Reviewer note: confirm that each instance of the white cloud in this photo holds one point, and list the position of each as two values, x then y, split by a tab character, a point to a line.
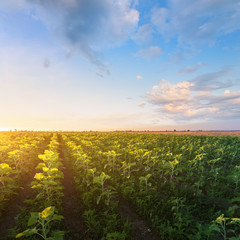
166	93
159	18
186	100
152	52
142	104
155	87
85	27
46	63
191	69
197	21
143	34
213	80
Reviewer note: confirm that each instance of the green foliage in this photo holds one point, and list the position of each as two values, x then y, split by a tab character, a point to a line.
48	185
7	184
178	183
18	156
186	187
39	224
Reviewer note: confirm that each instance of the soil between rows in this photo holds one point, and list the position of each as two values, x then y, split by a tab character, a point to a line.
7	220
142	231
74	225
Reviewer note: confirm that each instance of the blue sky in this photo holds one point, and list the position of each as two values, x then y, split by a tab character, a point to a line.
119	64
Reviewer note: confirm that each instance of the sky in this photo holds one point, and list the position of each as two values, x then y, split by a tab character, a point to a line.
120	65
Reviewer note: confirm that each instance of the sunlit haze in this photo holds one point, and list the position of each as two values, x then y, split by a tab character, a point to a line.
119	65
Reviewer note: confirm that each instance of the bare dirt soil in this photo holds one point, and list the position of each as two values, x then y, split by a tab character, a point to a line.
72	219
7	221
142	231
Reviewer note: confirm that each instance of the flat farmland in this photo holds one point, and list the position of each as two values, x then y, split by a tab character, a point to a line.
118	185
207	133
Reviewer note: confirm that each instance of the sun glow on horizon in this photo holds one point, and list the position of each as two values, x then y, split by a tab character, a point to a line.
4	129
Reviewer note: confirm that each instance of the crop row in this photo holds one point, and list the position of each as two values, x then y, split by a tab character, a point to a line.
15	164
46	203
99	209
183	185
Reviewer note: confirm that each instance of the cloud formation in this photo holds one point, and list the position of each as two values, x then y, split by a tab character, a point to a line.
46	63
212	81
143	34
196	99
153	52
87	26
142	104
191	69
197	21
